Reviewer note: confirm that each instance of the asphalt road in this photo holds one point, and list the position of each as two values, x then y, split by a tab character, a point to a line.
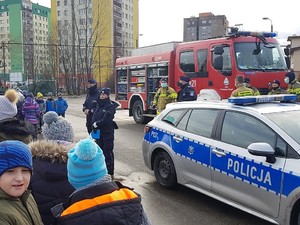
181	206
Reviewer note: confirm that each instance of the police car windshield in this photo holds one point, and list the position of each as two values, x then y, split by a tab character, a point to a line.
250	56
288	122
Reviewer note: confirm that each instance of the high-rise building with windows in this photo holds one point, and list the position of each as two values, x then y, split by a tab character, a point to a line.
24	33
90	35
206	26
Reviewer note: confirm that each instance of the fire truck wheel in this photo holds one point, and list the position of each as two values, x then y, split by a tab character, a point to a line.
137	112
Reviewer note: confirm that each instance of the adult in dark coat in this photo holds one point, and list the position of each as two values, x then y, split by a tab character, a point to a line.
103	120
90	103
49	182
187	92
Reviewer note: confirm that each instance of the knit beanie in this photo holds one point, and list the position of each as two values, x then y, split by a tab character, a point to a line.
8	106
14	154
39	95
57	128
86	163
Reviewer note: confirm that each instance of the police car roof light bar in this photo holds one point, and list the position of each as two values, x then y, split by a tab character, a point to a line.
261	99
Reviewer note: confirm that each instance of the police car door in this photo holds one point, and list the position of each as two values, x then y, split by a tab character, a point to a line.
237	175
191	142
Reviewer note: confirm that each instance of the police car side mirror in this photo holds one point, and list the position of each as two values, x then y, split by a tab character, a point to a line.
262	149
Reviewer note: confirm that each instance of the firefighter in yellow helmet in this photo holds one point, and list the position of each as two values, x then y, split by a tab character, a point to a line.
163	96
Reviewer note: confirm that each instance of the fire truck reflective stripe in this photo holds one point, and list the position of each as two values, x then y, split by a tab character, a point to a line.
258	174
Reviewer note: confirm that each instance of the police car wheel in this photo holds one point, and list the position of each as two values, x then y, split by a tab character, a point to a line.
295	216
164	170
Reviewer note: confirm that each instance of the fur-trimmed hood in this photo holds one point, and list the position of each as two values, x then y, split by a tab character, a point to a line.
54	151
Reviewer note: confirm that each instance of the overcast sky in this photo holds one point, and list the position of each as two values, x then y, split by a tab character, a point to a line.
162	20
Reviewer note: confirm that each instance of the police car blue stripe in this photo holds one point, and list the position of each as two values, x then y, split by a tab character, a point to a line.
258	174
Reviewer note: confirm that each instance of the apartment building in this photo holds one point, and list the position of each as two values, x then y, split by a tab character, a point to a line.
205	26
24	28
91	34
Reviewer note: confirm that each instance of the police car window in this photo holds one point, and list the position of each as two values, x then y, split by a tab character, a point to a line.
281	147
201	122
242	130
174	116
183	122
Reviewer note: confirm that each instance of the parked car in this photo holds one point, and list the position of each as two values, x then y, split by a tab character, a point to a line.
244	152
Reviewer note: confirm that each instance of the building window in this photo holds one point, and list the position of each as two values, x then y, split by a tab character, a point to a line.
81	21
82	11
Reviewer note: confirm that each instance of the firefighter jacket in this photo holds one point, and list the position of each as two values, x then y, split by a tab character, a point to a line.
255	90
276	91
102	204
242	91
294	88
164	96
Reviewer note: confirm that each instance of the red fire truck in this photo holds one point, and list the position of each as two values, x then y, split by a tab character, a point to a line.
212	66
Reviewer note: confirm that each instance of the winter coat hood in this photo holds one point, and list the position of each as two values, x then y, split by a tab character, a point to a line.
54	155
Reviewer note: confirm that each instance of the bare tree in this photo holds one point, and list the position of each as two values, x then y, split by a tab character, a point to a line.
81	37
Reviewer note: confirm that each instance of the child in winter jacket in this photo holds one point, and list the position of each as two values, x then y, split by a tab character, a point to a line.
49	183
31	112
97	200
50	103
61	105
17	206
10	127
40	100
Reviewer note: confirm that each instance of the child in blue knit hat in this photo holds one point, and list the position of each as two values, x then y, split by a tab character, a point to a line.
97	199
17	206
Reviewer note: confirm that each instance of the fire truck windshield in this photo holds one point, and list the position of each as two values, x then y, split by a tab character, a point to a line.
256	56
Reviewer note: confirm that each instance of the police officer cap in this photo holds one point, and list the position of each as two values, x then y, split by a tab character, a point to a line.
184	78
92	81
105	90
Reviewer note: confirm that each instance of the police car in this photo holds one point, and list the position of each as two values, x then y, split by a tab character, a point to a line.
243	151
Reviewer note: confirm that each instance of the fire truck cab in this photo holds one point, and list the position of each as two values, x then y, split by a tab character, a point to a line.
212	66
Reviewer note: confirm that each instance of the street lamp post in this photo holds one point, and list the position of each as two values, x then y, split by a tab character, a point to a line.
3	64
239	25
267	18
137	40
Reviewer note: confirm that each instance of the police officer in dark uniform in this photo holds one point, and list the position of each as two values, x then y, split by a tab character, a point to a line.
187	92
90	103
103	120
